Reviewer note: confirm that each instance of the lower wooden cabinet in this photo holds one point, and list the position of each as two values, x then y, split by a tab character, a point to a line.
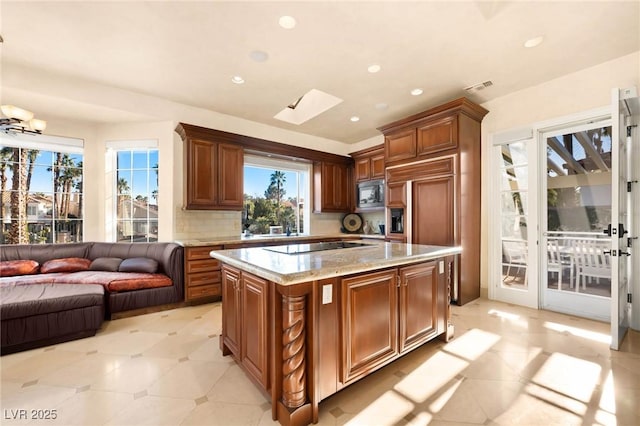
232	312
370	322
387	313
418	304
253	353
244	321
202	274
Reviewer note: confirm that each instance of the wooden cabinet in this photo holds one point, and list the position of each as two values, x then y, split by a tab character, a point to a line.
396	194
253	353
433	211
400	145
437	154
244	321
369	164
202	274
437	135
387	313
370	321
232	310
332	187
418	304
214	175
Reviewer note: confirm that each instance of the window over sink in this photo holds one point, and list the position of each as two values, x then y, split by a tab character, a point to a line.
276	194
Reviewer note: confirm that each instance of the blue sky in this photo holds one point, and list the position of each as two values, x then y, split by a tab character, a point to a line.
256	182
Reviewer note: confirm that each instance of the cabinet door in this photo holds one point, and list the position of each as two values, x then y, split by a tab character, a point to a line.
377	166
254	327
232	309
396	194
433	210
400	145
418	304
363	169
230	176
370	321
438	135
201	167
331	187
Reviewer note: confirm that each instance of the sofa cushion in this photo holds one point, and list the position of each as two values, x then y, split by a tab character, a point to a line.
116	281
25	301
67	264
109	264
11	268
139	264
30	279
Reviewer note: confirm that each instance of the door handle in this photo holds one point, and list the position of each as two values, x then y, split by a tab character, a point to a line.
608	231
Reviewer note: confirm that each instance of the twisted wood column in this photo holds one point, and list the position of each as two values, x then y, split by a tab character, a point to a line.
294	392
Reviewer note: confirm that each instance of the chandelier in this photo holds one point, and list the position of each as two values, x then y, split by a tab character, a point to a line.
18	120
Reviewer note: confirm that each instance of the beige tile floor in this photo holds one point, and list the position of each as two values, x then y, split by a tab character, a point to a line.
507	365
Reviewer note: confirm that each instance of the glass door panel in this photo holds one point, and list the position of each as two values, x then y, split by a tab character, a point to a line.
515	275
576	267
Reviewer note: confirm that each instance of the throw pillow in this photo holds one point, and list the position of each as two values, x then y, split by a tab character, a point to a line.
139	264
67	264
12	268
109	264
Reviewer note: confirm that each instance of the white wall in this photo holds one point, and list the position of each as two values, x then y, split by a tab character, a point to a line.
574	93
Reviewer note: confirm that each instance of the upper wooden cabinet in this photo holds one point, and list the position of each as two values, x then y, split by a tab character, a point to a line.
213	174
214	169
332	187
437	135
430	133
369	164
400	145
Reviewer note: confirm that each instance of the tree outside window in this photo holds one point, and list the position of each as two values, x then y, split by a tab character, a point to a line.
40	196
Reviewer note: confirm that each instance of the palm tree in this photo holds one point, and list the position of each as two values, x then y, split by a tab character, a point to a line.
276	191
32	154
5	155
68	179
18	232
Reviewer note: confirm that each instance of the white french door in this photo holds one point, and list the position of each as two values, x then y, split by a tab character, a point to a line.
515	242
577	195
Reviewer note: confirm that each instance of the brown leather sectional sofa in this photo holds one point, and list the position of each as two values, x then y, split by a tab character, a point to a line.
75	287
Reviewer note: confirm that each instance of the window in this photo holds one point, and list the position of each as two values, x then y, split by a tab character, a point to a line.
136	189
275	194
41	193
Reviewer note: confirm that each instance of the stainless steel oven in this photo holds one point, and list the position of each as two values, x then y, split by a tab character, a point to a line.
371	194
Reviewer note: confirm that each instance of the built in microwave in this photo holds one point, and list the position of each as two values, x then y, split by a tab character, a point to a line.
371	194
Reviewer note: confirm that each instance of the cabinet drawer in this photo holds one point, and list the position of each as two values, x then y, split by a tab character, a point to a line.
203	291
194	266
204	278
200	252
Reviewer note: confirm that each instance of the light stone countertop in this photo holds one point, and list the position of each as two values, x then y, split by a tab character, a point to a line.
288	269
257	239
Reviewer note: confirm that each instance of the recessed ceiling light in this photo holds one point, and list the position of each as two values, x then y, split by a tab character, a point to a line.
416	92
237	79
533	42
287	22
259	55
355	118
373	68
381	106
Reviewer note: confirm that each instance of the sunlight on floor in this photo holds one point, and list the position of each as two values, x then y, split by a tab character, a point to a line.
472	344
579	332
512	318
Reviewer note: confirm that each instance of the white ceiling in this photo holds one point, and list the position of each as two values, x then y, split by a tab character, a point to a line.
187	52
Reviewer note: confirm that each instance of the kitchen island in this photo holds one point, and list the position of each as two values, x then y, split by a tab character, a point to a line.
306	320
